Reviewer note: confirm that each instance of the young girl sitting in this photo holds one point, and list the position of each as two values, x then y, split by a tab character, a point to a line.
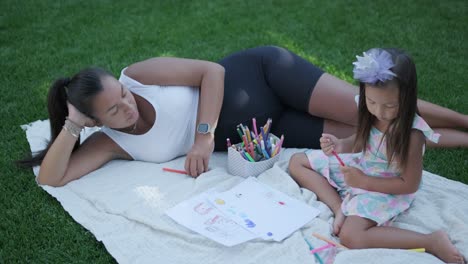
383	166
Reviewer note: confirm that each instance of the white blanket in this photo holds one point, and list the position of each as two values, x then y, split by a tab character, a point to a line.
124	202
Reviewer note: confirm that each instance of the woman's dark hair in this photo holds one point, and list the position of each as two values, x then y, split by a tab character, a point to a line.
79	91
398	134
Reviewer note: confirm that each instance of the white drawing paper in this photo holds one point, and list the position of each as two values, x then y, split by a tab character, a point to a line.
199	215
263	210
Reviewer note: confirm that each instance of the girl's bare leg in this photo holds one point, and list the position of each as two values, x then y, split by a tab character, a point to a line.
302	173
358	232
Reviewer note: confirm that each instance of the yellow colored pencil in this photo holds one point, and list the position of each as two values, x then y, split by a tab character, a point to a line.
417	249
247	132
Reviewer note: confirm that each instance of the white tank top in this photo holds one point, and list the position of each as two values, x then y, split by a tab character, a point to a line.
173	132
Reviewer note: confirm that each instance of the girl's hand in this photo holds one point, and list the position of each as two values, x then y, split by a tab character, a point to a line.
78	117
198	157
329	142
354	177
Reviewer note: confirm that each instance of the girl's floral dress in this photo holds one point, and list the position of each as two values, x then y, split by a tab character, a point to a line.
379	207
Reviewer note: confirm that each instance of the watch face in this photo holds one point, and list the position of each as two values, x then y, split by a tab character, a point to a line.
203	128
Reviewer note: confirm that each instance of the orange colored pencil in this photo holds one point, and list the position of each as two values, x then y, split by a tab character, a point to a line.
175	171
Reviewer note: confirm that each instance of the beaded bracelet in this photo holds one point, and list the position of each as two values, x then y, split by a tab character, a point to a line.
73	128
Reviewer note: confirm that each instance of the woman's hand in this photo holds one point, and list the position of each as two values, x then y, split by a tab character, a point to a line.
79	118
330	143
354	177
198	157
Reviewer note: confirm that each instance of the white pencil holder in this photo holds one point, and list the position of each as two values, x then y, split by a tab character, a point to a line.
239	166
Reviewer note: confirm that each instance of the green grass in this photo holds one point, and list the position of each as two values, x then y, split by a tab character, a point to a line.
42	40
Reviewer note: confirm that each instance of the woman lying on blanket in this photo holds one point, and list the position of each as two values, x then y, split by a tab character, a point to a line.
163	108
373	186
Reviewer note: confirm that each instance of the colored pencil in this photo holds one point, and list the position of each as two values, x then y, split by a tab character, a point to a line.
254	124
175	171
328	240
338	158
239	132
312	248
417	249
329	245
249	157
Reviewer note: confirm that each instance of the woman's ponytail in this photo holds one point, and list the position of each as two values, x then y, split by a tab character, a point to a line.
57	106
58	111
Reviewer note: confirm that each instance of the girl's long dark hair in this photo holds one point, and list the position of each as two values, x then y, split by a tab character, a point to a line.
399	132
79	91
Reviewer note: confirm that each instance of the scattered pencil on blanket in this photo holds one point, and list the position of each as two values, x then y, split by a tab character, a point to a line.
329	245
417	249
328	240
311	248
175	171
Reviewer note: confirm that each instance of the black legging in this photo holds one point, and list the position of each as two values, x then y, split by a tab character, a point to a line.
269	82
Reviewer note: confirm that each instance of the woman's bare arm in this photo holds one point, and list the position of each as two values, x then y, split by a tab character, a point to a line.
61	166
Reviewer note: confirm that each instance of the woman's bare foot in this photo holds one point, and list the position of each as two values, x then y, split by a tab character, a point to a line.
442	247
338	222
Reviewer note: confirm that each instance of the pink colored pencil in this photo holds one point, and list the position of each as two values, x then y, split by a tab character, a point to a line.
281	141
275	151
329	245
279	145
246	144
338	158
254	123
252	150
175	171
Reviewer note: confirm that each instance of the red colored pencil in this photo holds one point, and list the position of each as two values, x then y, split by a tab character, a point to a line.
338	158
175	171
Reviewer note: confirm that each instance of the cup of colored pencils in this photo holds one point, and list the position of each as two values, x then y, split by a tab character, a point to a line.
256	152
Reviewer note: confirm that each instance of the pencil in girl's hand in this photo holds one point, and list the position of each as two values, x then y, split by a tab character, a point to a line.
338	158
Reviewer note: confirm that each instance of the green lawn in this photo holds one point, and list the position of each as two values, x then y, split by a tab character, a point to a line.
42	40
